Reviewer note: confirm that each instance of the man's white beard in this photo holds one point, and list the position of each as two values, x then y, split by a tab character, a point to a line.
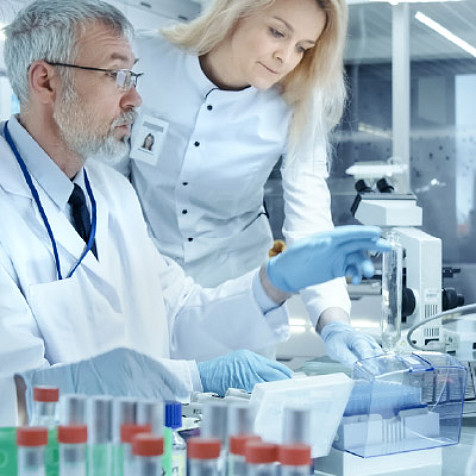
74	122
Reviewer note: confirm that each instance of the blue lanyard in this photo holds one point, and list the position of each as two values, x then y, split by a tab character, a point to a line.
36	197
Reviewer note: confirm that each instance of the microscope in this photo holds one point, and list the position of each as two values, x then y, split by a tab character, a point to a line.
423	295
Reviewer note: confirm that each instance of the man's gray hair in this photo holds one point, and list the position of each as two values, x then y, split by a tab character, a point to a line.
49	30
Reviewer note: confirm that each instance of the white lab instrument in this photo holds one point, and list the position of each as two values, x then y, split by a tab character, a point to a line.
422	261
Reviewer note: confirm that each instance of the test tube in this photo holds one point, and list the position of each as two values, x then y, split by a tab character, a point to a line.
174	460
392	263
261	459
45	413
45	406
296	424
151	412
72	441
203	456
214	421
128	432
147	450
236	453
295	459
73	409
100	435
31	442
124	411
215	425
240	419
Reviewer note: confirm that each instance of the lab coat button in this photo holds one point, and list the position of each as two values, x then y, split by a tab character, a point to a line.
196	143
184	184
184	212
190	239
209	107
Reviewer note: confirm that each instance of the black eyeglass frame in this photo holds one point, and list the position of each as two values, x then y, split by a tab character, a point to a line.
129	78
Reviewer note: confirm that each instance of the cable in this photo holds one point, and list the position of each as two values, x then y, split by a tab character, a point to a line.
450	315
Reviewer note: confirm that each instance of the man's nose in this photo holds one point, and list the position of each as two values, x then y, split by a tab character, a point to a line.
131	99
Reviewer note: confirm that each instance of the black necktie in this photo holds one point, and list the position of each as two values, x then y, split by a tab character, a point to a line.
81	219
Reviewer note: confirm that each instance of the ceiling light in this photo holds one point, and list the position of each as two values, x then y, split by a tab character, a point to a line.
445	33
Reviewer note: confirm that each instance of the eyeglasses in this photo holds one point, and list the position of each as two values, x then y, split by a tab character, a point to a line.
125	78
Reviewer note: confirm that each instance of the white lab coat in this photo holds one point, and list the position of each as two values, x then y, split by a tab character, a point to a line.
132	297
203	203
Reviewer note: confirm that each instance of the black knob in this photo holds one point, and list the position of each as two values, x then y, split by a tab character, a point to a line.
408	302
451	299
362	187
384	187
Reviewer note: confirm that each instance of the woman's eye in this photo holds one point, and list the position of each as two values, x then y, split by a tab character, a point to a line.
276	33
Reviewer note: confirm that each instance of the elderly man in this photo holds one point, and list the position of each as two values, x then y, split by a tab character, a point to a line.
79	275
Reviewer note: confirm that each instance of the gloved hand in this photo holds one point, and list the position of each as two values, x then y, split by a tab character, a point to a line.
240	369
325	256
119	372
347	345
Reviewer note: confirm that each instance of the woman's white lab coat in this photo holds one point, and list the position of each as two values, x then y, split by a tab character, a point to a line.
202	191
132	297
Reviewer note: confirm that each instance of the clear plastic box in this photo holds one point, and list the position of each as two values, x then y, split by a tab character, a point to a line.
403	403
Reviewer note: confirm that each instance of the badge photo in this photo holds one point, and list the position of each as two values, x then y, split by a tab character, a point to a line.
148	138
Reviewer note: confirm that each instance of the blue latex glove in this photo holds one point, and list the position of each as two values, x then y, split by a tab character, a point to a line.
325	256
240	369
119	372
345	344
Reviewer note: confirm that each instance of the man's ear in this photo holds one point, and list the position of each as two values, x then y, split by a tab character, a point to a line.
44	81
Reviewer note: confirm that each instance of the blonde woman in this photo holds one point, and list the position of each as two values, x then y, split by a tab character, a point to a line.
228	95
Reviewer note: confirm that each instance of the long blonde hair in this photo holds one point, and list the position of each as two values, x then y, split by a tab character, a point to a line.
319	72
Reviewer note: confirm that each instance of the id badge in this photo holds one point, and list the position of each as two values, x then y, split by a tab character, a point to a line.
148	139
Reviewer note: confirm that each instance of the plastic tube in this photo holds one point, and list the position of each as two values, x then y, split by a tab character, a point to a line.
31	442
128	432
124	411
72	441
392	263
151	412
45	406
295	459
73	409
203	457
261	459
45	413
215	425
296	424
236	454
240	419
214	421
100	436
174	459
147	450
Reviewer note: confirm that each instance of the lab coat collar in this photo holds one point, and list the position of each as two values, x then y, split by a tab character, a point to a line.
206	86
45	171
